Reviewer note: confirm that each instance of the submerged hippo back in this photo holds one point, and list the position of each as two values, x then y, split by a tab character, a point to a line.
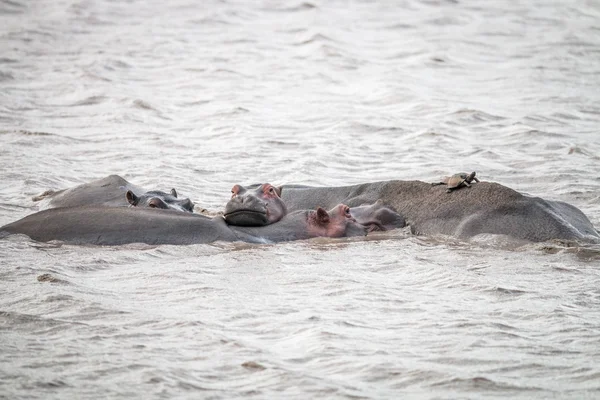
305	224
112	191
100	225
108	191
485	208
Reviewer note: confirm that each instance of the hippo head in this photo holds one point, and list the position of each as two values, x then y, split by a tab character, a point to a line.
255	207
158	199
338	222
377	217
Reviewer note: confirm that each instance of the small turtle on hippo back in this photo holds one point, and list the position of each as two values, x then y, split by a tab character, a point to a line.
457	181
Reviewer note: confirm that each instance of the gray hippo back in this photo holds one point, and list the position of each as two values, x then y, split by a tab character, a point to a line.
99	225
112	191
486	208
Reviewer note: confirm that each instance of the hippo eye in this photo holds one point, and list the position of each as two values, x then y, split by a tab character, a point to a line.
156	203
267	188
347	211
271	190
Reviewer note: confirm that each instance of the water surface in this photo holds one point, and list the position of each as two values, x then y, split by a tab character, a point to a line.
201	96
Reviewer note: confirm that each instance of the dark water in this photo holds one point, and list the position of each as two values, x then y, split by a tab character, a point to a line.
202	95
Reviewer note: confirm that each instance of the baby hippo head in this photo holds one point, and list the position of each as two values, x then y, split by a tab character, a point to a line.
377	217
338	222
255	207
158	199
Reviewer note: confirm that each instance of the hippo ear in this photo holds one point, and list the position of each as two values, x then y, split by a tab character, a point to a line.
322	216
279	190
188	205
174	192
238	189
132	198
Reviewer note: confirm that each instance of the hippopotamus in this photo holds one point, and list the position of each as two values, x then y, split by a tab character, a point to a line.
377	217
99	225
254	207
159	199
113	191
262	205
336	223
487	208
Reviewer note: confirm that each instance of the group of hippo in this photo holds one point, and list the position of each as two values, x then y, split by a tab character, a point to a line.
112	211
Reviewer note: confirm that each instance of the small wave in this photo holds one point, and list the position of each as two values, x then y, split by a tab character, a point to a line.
398	26
50	278
569	270
210	21
51	384
253	366
281	143
27	133
230	112
6	76
583	251
583	152
43	195
506	291
593	376
316	38
30	322
586	253
535	133
227	72
143	105
114	65
59	297
12	7
6	60
363	127
535	118
92	100
566	116
300	7
94	76
471	116
480	383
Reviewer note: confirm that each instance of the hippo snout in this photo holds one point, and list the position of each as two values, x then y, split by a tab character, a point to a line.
246	211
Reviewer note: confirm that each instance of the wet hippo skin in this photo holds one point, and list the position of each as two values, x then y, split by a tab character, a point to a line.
100	225
485	208
377	217
261	205
113	191
305	224
160	199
